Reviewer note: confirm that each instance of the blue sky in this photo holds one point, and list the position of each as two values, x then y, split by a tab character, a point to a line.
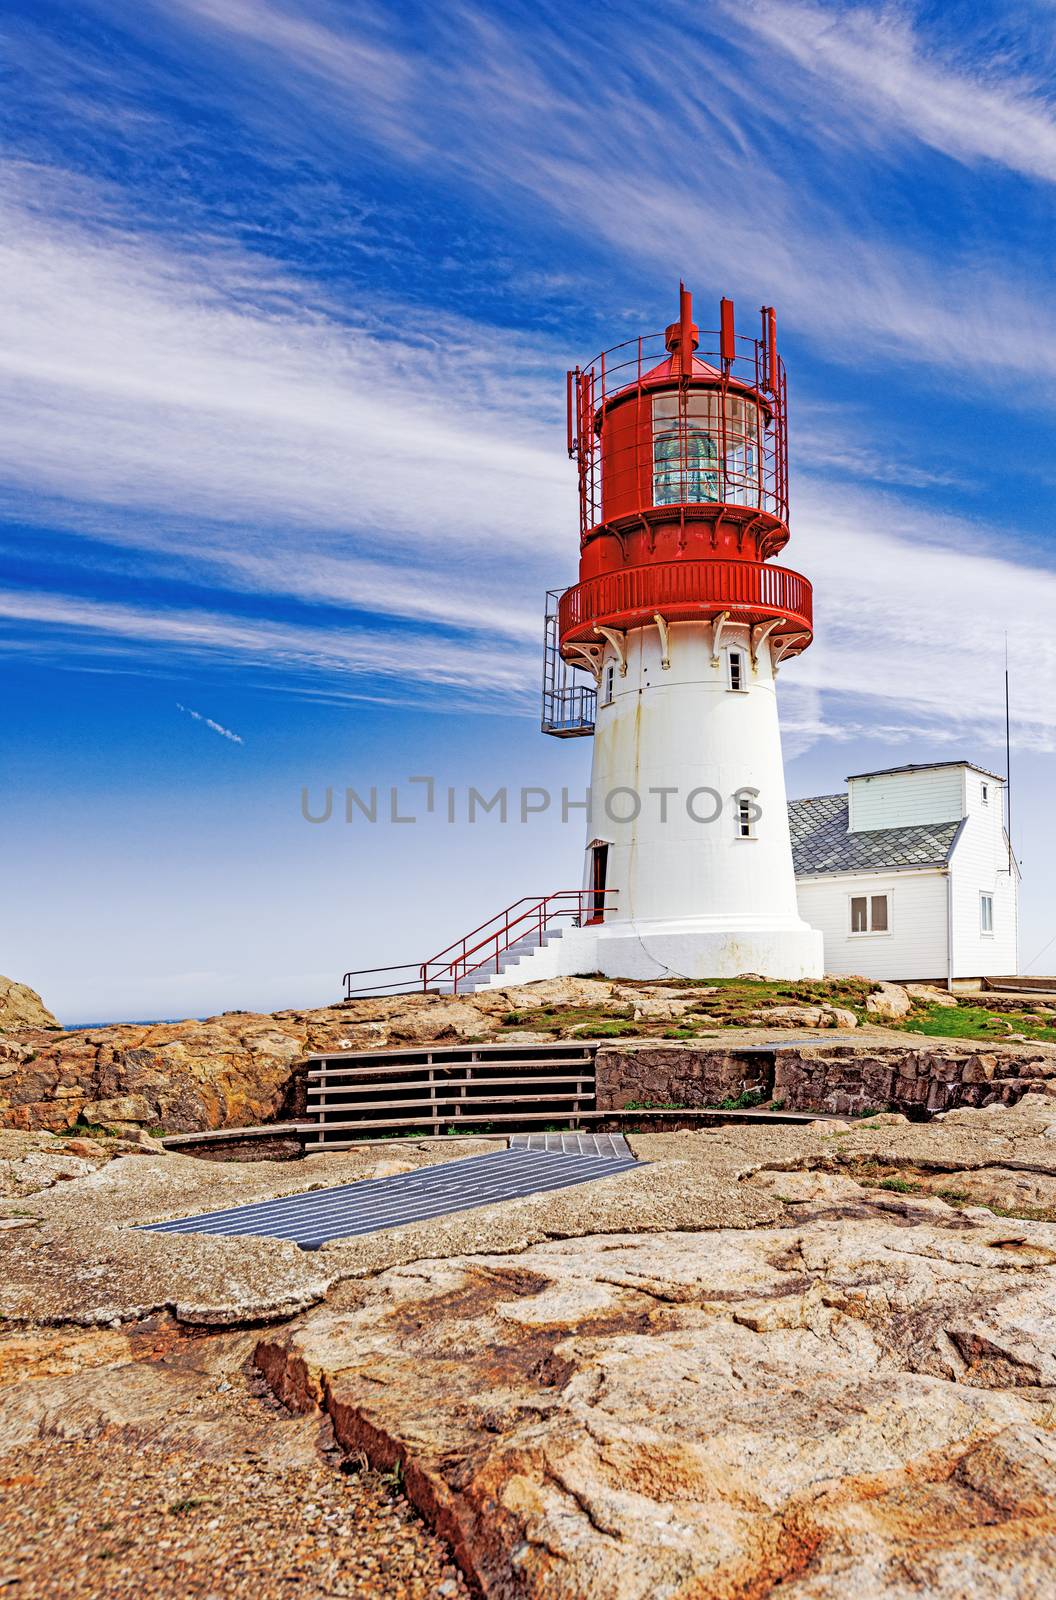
289	293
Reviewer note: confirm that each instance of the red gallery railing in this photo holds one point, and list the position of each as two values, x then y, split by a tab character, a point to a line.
748	590
481	950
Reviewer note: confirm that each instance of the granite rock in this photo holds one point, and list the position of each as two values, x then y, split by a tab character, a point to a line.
22	1007
857	1403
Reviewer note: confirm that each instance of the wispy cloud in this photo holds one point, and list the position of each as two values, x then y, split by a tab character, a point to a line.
239	429
217	727
507	112
75	623
875	59
141	376
910	612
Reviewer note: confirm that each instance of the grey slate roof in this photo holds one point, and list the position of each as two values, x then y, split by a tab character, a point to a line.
821	843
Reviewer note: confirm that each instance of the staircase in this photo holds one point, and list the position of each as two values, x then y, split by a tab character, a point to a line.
516	945
446	1089
521	962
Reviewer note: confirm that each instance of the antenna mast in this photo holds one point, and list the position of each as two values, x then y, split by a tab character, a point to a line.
1008	764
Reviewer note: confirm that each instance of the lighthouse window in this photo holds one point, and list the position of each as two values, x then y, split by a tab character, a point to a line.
742	451
745	825
685	449
986	913
690	437
736	660
610	685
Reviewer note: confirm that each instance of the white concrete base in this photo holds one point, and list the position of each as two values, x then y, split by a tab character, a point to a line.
683	949
575	953
701	950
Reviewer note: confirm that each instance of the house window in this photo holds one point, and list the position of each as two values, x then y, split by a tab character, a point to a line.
610	685
870	913
745	821
986	913
984	790
736	665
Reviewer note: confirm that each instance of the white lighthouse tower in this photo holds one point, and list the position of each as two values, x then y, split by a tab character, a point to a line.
667	651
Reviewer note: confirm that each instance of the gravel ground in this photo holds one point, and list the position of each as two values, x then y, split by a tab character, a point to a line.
103	1519
184	1478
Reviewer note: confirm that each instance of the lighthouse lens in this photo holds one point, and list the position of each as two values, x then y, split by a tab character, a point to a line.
701	454
685	449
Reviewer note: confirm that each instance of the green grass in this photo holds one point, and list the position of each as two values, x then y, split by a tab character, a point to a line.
609	1030
654	1105
747	1100
84	1130
899	1185
585	1021
975	1022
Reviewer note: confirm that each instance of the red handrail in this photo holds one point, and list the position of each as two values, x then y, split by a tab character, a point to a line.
507	927
531	913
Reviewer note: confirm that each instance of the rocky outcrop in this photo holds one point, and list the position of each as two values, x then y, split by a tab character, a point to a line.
742	1368
889	1002
851	1079
21	1007
239	1069
227	1071
858	1402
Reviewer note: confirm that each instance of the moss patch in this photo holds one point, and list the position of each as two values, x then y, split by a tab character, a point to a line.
975	1022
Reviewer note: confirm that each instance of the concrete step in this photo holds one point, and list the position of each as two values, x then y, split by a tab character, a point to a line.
517	952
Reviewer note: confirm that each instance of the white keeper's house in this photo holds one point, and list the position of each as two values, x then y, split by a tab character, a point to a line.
909	874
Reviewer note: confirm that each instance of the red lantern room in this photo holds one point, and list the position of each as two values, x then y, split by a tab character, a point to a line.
682	454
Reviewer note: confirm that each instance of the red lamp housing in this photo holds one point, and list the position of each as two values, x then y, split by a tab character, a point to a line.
683	484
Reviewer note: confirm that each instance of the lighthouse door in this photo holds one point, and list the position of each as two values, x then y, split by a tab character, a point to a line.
599	865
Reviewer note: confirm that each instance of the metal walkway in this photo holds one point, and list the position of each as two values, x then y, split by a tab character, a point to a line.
315	1218
613	1145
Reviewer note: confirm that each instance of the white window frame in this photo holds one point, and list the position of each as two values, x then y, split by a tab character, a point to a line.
869	932
742	816
984	793
609	684
734	653
986	897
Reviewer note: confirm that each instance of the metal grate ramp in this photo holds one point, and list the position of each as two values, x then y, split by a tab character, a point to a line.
320	1215
613	1145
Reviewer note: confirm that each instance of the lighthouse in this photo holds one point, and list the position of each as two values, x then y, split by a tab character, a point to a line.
667	652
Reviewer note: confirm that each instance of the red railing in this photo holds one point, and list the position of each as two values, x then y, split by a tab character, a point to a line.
681	590
749	367
482	949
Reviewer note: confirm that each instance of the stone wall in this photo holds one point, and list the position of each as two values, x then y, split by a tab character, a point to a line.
846	1079
678	1074
854	1078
